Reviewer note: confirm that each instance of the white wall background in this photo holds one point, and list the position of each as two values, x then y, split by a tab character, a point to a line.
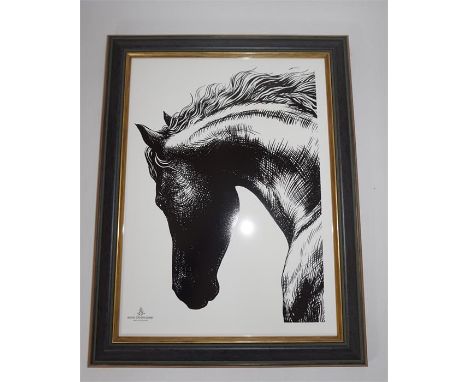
366	24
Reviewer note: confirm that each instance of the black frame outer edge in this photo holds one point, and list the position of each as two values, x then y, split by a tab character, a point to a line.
105	353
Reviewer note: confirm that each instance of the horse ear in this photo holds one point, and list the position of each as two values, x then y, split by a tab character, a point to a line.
151	138
167	118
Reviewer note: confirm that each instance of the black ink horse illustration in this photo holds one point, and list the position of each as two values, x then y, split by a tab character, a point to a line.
258	132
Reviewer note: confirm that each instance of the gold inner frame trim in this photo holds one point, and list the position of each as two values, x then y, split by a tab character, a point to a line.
116	338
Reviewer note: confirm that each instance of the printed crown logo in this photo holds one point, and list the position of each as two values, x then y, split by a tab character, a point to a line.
141	312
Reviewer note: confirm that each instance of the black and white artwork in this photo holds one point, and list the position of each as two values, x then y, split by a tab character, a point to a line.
228	212
259	132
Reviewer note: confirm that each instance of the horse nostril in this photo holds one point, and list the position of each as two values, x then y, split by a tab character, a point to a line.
214	290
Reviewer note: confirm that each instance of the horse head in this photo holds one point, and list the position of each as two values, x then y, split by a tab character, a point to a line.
199	211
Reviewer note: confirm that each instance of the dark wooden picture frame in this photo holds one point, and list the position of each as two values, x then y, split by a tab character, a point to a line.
105	347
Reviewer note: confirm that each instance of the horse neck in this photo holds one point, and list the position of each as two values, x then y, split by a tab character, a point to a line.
286	193
272	151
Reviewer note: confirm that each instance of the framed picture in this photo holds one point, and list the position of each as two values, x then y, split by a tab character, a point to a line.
227	226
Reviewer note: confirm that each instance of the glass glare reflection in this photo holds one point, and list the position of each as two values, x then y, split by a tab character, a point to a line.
247	227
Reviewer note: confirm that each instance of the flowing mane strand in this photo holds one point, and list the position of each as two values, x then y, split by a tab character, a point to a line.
294	89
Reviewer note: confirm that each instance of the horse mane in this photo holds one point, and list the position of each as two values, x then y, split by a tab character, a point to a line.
294	89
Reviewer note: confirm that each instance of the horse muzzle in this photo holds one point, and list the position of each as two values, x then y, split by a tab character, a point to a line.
196	295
